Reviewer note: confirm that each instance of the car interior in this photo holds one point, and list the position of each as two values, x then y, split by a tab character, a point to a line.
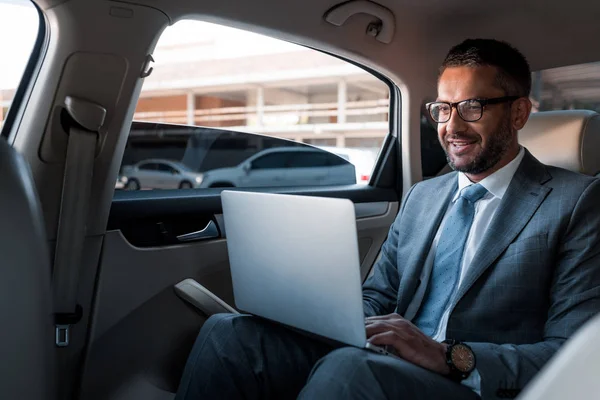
104	290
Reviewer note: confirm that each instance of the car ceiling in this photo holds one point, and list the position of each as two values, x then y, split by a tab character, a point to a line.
425	29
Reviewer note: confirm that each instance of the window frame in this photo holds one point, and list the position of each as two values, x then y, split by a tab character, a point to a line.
387	169
30	73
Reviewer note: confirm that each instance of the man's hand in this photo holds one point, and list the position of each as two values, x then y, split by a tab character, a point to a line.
409	342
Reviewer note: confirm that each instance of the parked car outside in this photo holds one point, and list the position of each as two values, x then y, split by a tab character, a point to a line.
121	182
160	174
363	160
284	166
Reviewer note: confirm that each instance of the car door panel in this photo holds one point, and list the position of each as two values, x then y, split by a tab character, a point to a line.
135	286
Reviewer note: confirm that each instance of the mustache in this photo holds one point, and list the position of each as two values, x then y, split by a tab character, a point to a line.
460	136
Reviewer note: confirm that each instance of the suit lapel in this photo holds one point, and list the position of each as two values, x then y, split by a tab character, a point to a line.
433	208
433	212
520	202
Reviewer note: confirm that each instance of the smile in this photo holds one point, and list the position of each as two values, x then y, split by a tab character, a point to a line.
461	143
461	146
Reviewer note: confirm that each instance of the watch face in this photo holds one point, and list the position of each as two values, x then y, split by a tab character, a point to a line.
463	358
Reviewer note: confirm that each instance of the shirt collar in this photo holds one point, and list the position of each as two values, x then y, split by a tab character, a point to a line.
497	183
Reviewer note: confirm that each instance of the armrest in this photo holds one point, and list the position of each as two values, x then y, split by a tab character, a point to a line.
202	298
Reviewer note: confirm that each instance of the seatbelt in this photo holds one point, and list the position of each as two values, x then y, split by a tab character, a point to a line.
84	122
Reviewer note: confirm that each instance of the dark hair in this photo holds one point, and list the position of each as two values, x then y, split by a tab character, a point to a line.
514	75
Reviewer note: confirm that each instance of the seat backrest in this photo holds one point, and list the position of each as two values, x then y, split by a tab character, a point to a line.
568	139
573	372
26	337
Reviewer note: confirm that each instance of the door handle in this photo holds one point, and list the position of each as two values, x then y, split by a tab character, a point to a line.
209	232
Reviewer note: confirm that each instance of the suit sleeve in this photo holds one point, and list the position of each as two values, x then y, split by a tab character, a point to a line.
574	299
380	290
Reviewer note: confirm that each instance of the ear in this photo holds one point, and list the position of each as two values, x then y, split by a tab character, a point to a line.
520	111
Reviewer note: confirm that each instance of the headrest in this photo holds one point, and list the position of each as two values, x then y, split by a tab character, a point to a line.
568	139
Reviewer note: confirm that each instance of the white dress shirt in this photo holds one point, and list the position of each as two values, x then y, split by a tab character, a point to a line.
496	185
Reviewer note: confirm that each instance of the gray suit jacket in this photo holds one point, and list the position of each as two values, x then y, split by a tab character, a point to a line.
533	282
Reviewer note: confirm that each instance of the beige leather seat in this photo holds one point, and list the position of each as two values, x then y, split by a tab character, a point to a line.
568	139
27	334
573	373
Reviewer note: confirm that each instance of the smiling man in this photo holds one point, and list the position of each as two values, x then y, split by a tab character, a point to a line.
485	273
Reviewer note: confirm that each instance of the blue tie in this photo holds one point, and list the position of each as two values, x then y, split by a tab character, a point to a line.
448	259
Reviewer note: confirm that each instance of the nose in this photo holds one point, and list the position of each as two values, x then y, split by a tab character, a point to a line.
455	124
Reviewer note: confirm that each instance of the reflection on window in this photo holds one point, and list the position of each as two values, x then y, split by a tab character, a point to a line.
271	161
567	88
212	76
209	158
18	30
309	160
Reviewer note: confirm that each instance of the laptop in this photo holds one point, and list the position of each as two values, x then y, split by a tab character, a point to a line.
294	260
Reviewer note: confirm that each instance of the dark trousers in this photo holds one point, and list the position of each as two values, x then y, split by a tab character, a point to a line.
244	357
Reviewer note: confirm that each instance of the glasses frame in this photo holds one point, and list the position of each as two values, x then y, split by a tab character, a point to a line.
482	102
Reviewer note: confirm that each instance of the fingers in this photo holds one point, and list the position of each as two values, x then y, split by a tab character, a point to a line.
381	326
408	341
394	342
387	338
378	327
393	323
383	317
401	330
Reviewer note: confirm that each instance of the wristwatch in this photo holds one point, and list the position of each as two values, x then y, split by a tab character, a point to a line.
460	358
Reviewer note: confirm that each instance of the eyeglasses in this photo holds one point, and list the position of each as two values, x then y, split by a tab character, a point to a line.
469	110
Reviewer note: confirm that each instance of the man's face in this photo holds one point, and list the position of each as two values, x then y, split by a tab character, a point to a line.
482	147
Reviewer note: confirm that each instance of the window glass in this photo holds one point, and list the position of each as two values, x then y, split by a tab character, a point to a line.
219	96
166	168
567	88
148	167
309	160
19	23
335	159
272	161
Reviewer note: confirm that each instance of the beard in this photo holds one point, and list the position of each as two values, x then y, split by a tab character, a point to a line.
497	145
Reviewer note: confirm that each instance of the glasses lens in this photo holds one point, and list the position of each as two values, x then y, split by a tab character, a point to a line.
470	110
440	112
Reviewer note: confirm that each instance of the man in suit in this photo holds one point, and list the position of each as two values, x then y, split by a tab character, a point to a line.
485	273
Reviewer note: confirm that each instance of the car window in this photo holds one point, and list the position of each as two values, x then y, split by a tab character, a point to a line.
311	159
219	96
344	156
148	167
166	168
339	159
272	161
567	88
19	23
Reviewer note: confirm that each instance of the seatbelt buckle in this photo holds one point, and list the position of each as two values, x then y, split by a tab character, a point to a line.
63	322
62	335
